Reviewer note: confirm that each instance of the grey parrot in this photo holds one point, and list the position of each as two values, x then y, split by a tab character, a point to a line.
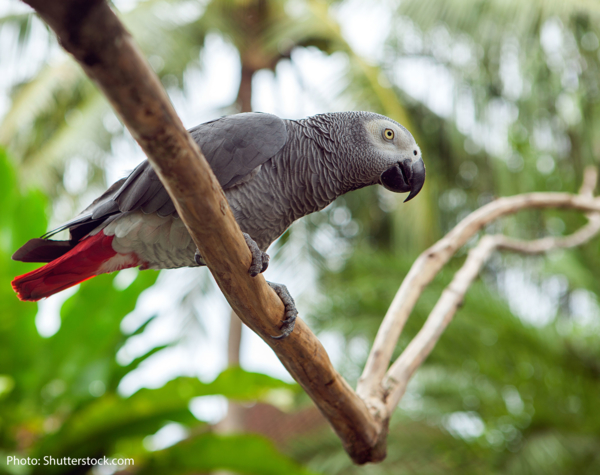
273	172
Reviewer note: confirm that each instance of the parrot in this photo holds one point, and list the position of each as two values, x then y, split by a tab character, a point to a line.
273	171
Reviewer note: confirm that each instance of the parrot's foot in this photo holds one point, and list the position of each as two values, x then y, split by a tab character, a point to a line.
260	260
291	312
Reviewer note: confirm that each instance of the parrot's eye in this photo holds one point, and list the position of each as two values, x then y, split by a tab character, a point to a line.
388	134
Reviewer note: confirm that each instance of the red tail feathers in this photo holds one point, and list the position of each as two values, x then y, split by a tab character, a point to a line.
91	257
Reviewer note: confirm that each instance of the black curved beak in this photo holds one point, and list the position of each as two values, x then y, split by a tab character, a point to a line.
405	176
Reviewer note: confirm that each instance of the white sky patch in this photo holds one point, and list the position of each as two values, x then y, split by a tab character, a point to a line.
465	111
535	303
201	353
129	156
180	13
552	40
289	97
76	174
366	26
513	401
125	6
333	342
567	107
158	369
47	320
543	136
499	114
322	78
464	425
440	42
257	356
42	49
428	82
209	89
265	94
584	308
165	437
287	92
210	409
125	278
510	71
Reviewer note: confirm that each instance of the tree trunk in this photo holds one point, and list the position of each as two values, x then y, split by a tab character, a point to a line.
244	98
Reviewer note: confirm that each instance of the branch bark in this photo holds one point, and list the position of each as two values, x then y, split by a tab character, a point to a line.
90	31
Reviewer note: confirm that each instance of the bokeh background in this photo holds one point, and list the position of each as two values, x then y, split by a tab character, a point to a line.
503	98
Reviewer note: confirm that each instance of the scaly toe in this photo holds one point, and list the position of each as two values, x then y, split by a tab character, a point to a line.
257	266
290	314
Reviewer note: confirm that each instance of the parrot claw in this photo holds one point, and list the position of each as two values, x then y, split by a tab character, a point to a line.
260	260
291	312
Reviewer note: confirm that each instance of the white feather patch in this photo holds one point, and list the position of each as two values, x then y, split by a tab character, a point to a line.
122	245
154	219
135	229
125	224
148	233
179	236
163	235
160	242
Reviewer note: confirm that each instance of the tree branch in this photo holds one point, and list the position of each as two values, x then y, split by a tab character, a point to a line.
391	387
431	261
91	32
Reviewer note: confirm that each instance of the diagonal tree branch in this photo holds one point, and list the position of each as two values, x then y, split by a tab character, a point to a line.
91	32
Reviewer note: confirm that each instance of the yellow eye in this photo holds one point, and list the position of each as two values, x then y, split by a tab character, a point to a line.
388	134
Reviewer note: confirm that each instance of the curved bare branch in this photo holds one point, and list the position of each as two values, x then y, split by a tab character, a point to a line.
393	385
432	260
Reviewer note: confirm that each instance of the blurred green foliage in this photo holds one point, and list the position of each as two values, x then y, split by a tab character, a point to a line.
500	394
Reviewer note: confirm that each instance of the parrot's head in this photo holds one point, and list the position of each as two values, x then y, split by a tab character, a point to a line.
398	156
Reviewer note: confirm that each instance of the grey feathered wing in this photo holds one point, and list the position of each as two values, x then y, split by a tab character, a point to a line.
233	146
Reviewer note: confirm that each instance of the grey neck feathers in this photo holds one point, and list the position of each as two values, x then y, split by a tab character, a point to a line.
321	161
